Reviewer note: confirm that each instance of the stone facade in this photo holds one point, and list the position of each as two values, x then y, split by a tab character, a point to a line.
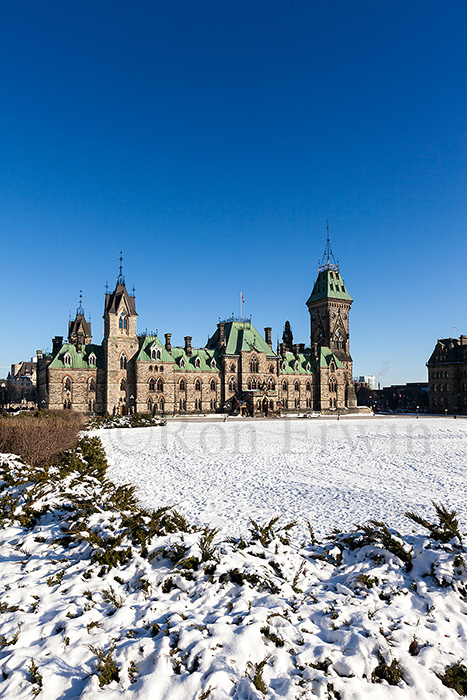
447	376
237	370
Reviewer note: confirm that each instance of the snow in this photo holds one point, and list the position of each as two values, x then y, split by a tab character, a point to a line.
333	473
254	618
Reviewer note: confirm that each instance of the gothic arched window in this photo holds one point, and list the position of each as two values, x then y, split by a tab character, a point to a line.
332	385
182	385
67	384
285	386
160	385
232	385
123	361
122	384
152	384
197	385
296	386
213	385
254	364
92	385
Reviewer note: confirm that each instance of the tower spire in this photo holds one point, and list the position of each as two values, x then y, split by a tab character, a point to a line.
80	309
121	278
328	261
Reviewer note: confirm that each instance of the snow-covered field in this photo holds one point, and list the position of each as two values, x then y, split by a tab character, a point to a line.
333	473
99	599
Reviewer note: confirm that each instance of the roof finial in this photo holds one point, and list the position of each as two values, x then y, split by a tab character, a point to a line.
328	255
120	278
80	309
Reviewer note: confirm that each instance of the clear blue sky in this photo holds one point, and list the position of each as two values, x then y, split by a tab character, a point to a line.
210	141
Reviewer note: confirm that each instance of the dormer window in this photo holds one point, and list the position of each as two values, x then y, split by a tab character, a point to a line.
213	364
92	360
308	367
284	365
197	362
67	359
295	366
182	362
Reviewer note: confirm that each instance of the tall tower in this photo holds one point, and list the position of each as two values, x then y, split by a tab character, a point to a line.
329	306
120	346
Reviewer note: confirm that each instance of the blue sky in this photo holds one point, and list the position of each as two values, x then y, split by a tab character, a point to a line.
210	141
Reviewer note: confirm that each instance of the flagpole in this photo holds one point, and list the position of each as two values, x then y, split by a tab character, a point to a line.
240	305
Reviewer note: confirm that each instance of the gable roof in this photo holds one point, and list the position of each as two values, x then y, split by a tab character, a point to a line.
329	285
79	360
79	323
241	336
146	343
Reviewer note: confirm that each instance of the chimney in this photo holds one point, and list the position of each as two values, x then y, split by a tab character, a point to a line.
168	346
188	345
282	347
221	340
267	335
302	347
39	354
57	343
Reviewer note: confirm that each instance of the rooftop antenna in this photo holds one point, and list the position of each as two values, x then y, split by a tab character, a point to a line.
120	278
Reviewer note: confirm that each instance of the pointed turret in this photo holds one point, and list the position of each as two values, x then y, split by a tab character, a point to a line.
79	330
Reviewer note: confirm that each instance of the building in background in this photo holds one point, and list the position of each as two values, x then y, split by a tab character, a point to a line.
369	379
237	369
21	384
447	376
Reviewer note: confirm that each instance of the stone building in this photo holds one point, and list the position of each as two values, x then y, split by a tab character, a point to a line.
238	369
447	376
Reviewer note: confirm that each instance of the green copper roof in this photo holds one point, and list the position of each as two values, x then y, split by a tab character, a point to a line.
287	364
325	357
79	360
201	360
329	285
147	344
241	336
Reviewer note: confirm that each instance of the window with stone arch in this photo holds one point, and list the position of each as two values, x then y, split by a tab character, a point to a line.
332	385
149	405
161	405
67	384
332	366
182	385
308	385
232	385
92	360
296	385
123	361
67	359
339	340
155	354
92	385
160	385
285	386
254	364
232	367
197	385
213	385
152	384
248	384
271	369
271	384
122	384
123	321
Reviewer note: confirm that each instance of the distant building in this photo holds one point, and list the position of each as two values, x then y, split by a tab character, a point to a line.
401	398
21	383
447	376
237	369
369	379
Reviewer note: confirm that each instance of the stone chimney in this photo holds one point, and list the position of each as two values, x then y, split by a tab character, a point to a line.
168	345
39	354
302	347
57	343
296	350
282	347
188	339
221	339
267	335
